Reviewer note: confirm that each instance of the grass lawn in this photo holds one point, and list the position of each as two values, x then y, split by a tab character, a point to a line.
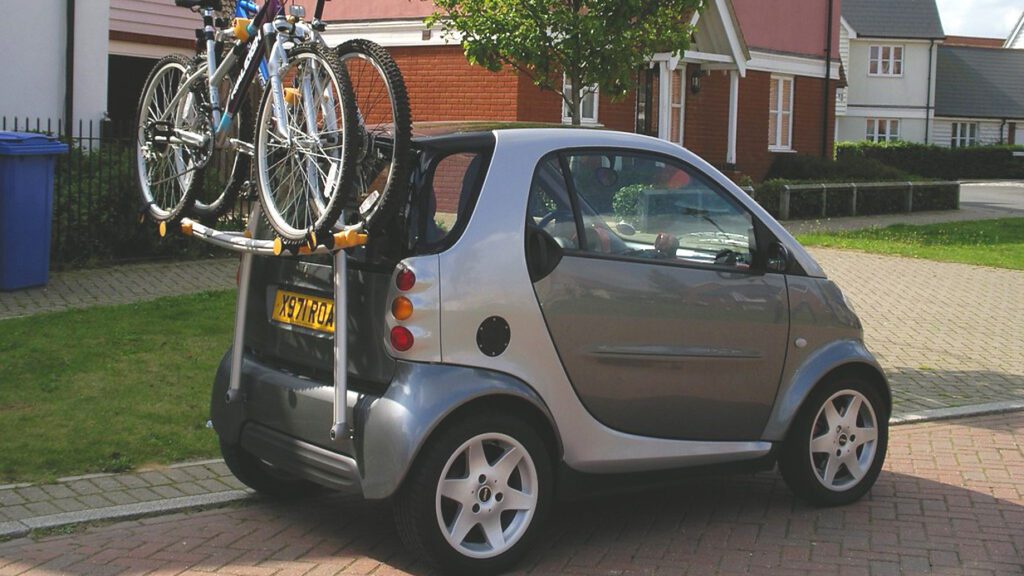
112	388
997	243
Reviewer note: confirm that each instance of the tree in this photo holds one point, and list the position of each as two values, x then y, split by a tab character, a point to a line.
591	42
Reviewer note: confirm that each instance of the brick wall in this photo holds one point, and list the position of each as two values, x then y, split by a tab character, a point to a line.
753	158
443	86
707	116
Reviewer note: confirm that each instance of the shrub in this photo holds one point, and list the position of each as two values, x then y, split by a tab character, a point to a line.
848	169
626	202
96	211
931	161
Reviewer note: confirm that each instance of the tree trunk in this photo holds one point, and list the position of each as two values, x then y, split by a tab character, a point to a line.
577	103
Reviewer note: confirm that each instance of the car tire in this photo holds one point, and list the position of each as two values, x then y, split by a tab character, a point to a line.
477	495
836	446
263	477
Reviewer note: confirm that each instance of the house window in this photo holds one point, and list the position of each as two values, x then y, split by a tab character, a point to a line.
588	106
964	134
885	60
883	130
780	113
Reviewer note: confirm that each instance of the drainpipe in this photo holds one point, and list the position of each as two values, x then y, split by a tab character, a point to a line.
828	78
928	108
69	70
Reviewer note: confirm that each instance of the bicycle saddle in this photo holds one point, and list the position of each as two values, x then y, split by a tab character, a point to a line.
211	4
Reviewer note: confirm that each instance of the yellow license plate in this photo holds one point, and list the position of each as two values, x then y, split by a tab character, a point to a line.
304	310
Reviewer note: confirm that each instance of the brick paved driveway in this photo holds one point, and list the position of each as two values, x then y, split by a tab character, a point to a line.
946	334
950	501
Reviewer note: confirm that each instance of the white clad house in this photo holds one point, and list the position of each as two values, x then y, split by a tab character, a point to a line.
89	60
1016	37
889	50
979	97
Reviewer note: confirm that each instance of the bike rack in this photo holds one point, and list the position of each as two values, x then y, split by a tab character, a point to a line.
249	248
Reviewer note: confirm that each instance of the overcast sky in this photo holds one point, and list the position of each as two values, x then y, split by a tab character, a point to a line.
989	18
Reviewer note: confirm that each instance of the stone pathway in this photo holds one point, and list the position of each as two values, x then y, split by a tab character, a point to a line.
120	285
947	334
26	507
950	500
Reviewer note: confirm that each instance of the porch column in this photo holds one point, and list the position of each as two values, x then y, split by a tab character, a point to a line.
664	101
734	104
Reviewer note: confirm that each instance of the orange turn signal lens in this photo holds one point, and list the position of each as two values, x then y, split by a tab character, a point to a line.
401	308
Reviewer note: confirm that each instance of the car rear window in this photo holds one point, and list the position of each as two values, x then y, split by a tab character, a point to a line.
446	186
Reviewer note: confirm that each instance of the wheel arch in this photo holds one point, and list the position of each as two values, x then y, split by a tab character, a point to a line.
840	358
426	398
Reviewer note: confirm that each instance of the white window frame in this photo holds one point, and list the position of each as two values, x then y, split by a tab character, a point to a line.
892	60
882	130
963	134
587	92
775	139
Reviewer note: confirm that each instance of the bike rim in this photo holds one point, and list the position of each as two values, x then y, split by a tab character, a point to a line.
487	495
298	175
378	118
219	171
165	169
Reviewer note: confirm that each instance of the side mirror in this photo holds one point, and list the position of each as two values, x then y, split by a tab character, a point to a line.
625	228
778	258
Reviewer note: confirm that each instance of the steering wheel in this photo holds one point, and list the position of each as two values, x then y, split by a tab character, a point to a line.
556	215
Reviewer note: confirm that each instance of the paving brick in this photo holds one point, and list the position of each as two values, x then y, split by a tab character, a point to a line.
719	525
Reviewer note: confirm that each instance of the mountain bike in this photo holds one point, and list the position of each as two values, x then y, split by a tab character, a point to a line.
315	152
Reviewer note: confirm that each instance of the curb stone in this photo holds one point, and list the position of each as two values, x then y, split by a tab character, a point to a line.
21	528
958	412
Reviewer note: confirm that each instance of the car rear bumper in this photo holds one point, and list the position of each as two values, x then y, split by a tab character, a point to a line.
286	419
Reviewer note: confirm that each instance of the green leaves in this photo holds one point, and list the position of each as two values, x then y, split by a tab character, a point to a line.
591	42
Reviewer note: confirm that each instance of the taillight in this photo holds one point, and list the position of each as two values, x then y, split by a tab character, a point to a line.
405	280
401	338
401	308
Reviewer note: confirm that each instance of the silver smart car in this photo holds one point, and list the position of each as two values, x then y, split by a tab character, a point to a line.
553	307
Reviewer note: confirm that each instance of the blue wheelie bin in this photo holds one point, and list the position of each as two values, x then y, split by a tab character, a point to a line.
26	207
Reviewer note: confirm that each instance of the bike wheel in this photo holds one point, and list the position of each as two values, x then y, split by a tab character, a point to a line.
305	164
165	164
228	165
385	121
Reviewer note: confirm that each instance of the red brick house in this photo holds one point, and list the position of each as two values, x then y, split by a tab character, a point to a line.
751	86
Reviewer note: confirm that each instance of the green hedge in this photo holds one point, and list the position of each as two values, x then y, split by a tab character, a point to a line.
849	169
928	161
96	212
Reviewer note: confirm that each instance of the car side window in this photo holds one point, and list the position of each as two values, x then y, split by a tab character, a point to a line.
636	205
549	206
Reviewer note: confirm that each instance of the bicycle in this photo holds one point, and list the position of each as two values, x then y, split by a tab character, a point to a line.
316	154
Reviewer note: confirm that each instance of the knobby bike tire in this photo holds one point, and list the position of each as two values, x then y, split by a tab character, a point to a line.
395	191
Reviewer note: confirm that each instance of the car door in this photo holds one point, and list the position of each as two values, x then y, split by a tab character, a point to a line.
659	307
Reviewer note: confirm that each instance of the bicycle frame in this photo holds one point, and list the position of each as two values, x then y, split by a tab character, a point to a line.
263	52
